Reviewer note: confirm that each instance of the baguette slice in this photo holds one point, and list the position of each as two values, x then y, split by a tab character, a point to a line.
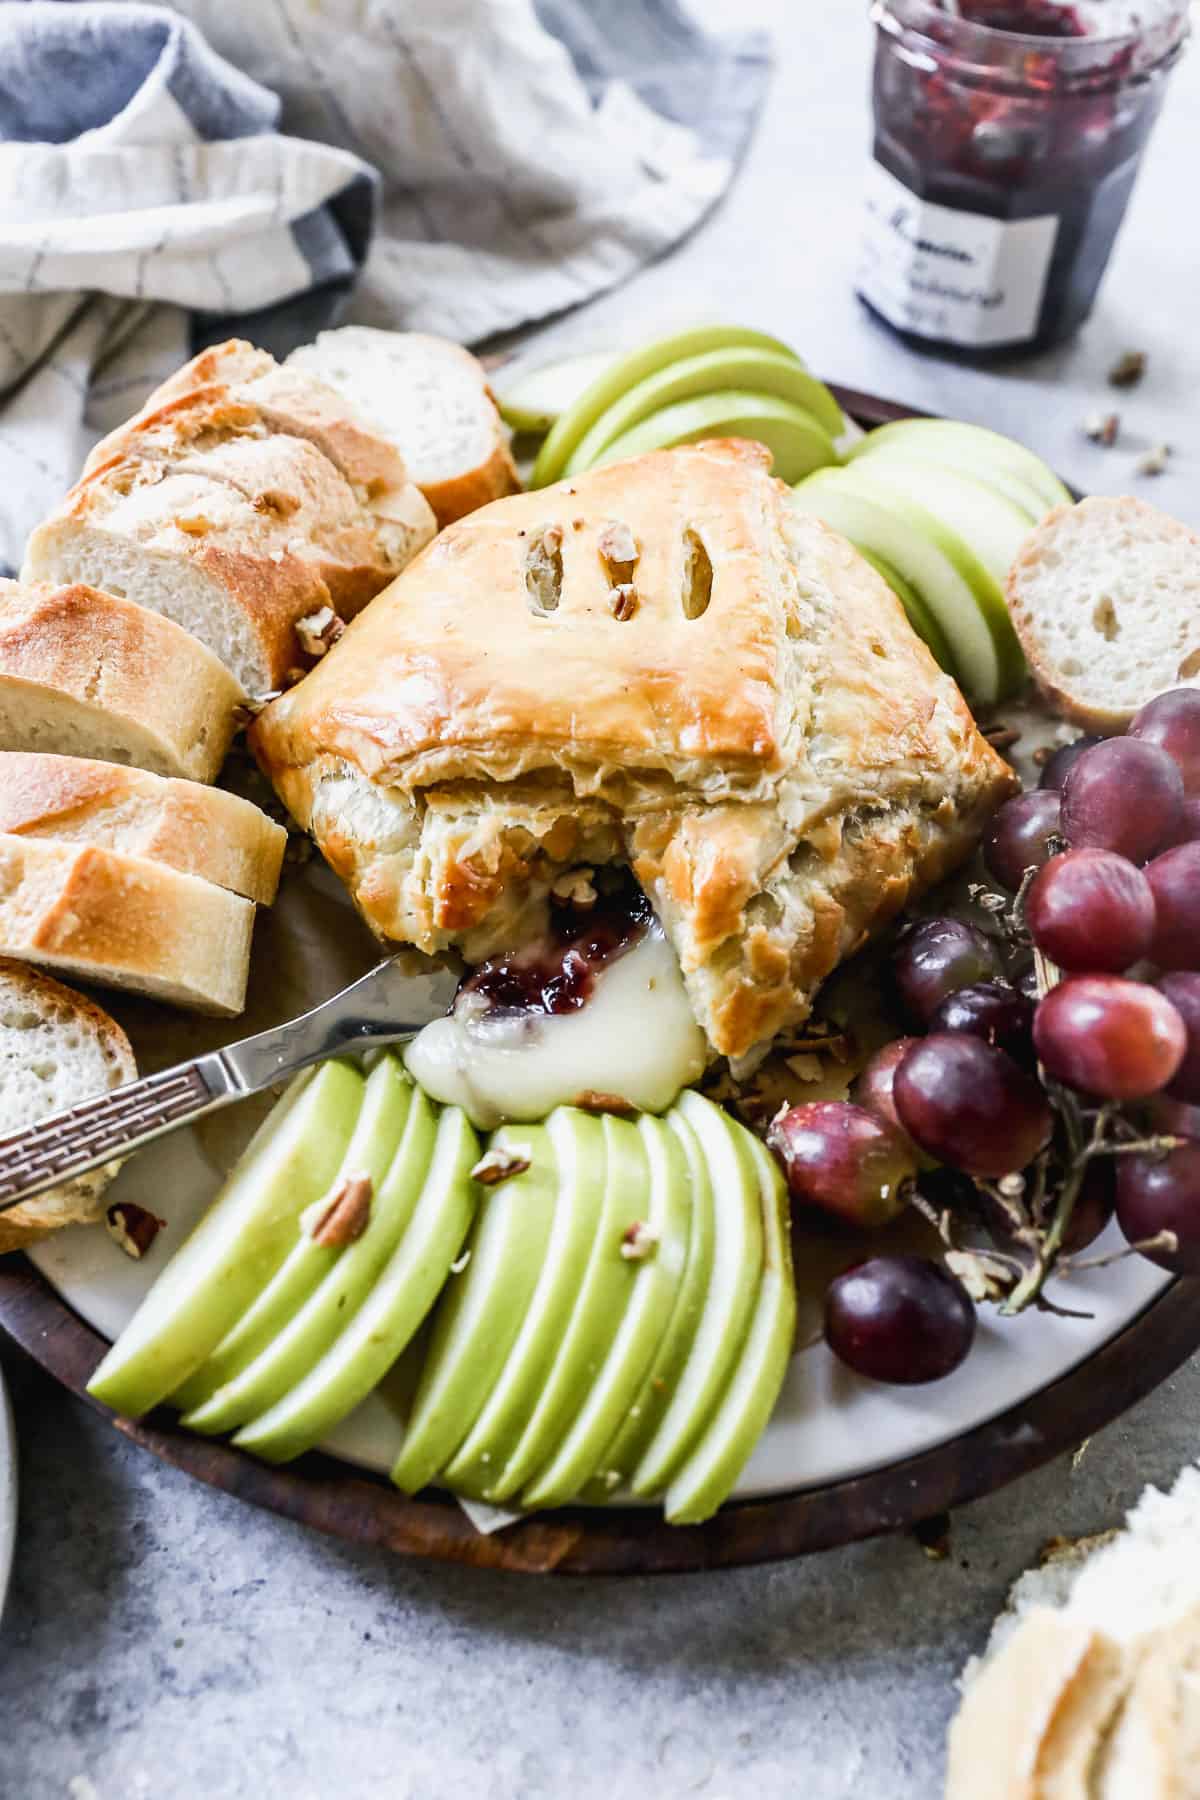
56	1048
432	400
90	674
237	544
124	922
198	830
1105	598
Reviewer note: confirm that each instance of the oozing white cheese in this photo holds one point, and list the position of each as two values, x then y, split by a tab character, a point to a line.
635	1037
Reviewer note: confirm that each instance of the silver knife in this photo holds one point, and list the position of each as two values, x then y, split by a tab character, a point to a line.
368	1013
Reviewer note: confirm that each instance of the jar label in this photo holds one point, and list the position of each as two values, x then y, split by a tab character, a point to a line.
958	277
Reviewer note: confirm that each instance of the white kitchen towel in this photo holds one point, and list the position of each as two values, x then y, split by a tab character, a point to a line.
523	155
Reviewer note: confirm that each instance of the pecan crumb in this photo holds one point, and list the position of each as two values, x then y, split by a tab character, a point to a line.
342	1215
319	631
1103	428
1128	369
594	1102
617	544
638	1241
132	1227
1155	461
575	889
624	600
193	524
274	500
498	1165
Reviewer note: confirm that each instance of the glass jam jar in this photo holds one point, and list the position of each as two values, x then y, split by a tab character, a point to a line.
1007	139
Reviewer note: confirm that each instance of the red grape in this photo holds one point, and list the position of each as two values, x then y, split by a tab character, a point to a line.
1058	766
1167	1117
1094	1205
1162	1193
990	1010
1172	722
1113	1038
899	1318
1183	991
1174	881
936	957
969	1105
1122	795
1187	830
1091	910
845	1160
1018	836
872	1086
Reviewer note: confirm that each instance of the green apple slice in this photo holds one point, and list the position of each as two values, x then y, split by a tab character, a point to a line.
300	1337
642	1328
710	1474
956	587
1004	482
797	443
971	447
482	1310
599	1308
530	400
626	373
725	1149
578	1139
670	1359
920	617
993	527
372	1145
238	1244
751	371
394	1310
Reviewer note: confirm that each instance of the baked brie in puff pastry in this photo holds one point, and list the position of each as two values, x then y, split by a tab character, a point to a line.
658	663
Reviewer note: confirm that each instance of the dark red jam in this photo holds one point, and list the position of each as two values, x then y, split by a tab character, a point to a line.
557	974
1014	111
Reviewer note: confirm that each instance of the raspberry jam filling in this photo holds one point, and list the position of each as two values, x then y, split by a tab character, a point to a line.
558	973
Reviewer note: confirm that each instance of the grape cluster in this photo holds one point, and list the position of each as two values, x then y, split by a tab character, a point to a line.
1103	859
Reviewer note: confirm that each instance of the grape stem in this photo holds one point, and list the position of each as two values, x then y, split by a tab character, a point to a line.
1165	1241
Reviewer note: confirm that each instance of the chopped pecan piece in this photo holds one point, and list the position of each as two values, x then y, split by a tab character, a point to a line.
132	1227
498	1165
342	1215
638	1241
591	1101
319	632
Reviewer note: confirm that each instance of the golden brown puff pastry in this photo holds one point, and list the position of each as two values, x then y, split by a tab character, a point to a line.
657	662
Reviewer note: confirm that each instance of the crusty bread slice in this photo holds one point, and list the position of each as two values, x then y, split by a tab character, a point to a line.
236	390
237	543
86	673
124	922
432	399
199	830
56	1048
1105	598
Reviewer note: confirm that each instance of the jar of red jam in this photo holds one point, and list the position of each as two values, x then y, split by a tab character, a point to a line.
1007	138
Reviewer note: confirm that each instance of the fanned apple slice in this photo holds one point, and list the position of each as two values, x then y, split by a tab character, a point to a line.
578	1140
377	1131
670	1359
991	524
974	448
751	370
798	444
662	1235
920	617
599	1308
239	1243
482	1310
725	1148
298	1340
531	399
393	1311
709	1475
624	374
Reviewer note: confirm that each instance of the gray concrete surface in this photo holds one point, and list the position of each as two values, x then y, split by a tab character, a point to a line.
164	1641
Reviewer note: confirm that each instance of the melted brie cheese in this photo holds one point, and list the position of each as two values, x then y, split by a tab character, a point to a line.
636	1037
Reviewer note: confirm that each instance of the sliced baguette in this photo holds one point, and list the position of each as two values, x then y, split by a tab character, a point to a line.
432	400
84	673
56	1048
237	544
1105	598
198	830
124	922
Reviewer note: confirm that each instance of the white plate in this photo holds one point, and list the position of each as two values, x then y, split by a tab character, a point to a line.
828	1425
8	1491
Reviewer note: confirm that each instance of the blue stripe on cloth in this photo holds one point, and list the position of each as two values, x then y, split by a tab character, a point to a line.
712	84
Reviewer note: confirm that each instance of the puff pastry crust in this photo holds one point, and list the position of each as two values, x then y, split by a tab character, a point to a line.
659	662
